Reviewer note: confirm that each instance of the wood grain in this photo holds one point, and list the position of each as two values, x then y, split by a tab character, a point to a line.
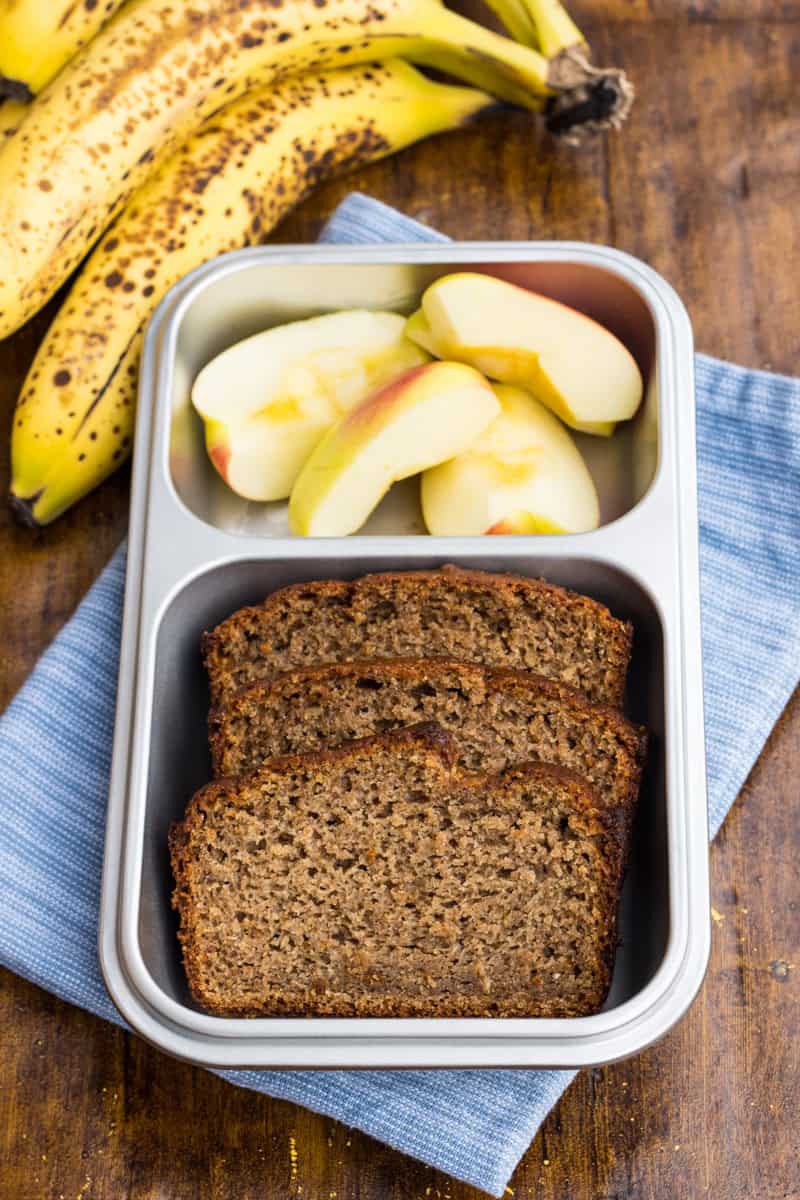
703	184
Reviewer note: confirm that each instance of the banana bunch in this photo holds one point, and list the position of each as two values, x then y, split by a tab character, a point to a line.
184	130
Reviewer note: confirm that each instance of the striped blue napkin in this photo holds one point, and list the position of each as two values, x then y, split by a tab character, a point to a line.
474	1125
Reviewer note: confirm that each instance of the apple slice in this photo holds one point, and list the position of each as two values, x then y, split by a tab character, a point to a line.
419	331
523	475
259	459
268	400
568	361
429	414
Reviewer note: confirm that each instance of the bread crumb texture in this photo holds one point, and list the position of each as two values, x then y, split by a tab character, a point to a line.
381	879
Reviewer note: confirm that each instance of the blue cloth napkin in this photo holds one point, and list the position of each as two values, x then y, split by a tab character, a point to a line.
474	1125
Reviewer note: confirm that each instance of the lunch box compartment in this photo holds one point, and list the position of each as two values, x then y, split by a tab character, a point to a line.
622	466
178	759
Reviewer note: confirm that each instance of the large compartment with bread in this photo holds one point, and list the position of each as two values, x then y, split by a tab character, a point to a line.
198	554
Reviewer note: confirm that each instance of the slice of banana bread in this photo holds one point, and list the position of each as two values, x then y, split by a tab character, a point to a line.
495	620
378	879
497	716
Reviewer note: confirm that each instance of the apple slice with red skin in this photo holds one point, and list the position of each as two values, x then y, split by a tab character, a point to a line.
428	415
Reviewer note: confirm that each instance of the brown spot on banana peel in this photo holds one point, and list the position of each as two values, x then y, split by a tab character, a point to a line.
69	10
588	99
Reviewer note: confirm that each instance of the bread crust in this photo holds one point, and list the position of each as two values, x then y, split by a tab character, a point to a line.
614	635
524	685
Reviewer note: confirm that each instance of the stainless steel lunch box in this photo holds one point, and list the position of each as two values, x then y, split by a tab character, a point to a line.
197	552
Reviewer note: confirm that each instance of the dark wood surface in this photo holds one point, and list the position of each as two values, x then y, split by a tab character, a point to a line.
702	184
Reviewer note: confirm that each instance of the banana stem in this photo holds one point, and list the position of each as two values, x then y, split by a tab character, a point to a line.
555	29
588	99
515	17
585	98
544	25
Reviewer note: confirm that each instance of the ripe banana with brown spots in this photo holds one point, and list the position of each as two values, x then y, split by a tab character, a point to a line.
226	187
37	37
158	70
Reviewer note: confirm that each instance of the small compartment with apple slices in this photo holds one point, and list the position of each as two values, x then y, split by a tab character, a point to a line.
473	405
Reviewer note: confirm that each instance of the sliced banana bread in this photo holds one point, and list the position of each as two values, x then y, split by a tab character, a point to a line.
497	716
378	879
495	620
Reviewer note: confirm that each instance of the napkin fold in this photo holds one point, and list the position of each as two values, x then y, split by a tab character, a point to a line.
55	751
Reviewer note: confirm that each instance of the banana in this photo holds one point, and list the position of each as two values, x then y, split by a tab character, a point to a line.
158	70
226	187
37	37
11	114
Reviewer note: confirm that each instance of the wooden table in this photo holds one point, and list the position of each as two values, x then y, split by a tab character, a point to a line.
703	184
